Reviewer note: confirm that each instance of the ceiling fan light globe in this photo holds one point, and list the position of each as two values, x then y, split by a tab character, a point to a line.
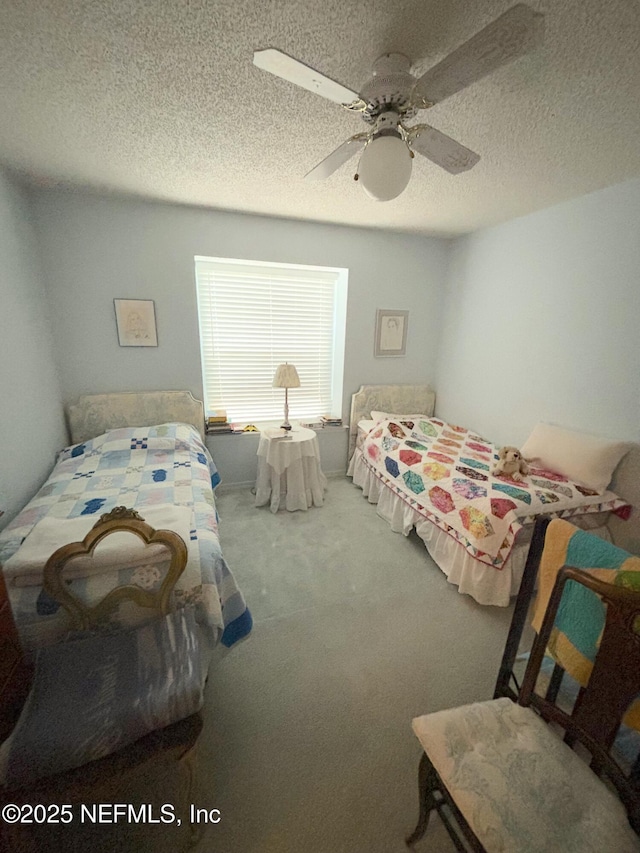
385	168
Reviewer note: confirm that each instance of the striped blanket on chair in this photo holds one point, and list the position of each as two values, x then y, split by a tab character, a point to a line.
581	615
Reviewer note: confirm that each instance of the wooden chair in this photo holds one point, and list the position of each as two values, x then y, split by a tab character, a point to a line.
85	616
15	672
507	683
158	768
506	776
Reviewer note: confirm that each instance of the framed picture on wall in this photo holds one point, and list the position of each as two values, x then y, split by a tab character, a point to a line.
391	333
136	322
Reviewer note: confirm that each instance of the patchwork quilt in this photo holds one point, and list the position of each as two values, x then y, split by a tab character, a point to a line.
443	473
148	469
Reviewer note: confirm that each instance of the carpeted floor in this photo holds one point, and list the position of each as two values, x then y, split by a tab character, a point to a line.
308	743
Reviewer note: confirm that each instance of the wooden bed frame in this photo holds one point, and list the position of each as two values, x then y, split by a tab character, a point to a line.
15	672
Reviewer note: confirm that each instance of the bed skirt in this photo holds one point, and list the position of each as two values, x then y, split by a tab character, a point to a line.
484	583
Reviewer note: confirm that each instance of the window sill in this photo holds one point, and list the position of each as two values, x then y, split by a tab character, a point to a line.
263	425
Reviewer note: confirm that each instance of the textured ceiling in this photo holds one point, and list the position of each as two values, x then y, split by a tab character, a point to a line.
161	99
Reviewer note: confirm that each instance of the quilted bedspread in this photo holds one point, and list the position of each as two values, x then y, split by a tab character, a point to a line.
147	468
443	472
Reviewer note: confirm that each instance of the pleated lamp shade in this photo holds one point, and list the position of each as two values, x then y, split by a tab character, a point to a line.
286	377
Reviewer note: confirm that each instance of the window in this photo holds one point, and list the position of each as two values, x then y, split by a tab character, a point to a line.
257	315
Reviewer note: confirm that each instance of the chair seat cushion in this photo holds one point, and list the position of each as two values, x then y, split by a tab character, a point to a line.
519	786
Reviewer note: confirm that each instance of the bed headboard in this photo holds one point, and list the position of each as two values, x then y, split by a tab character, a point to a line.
399	399
95	414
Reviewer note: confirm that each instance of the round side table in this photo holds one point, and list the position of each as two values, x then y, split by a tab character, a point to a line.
289	472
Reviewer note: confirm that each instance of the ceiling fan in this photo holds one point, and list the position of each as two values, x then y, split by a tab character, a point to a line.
394	97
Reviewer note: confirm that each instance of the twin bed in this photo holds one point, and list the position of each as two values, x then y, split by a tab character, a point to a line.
143	451
146	451
436	477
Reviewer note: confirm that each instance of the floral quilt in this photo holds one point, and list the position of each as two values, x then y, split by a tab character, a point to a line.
444	473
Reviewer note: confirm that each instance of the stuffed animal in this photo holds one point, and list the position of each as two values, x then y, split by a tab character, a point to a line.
510	464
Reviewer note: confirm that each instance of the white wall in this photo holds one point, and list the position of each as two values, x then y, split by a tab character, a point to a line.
97	248
542	322
540	314
32	425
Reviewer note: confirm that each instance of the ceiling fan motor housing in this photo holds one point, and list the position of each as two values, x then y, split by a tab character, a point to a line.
390	89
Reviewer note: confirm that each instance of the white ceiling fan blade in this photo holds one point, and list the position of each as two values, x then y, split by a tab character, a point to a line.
291	69
336	159
513	34
441	149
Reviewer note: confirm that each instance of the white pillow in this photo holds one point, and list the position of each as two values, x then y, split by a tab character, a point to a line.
387	416
587	459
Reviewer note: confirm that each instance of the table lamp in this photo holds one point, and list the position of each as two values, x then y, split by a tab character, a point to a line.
286	377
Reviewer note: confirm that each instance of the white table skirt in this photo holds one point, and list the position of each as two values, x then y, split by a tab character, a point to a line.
289	471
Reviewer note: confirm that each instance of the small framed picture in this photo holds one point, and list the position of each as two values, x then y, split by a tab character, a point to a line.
391	333
136	322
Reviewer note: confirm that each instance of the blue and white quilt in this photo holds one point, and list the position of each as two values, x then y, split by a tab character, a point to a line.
149	469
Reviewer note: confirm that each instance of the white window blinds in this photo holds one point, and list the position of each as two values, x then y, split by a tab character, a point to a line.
255	316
